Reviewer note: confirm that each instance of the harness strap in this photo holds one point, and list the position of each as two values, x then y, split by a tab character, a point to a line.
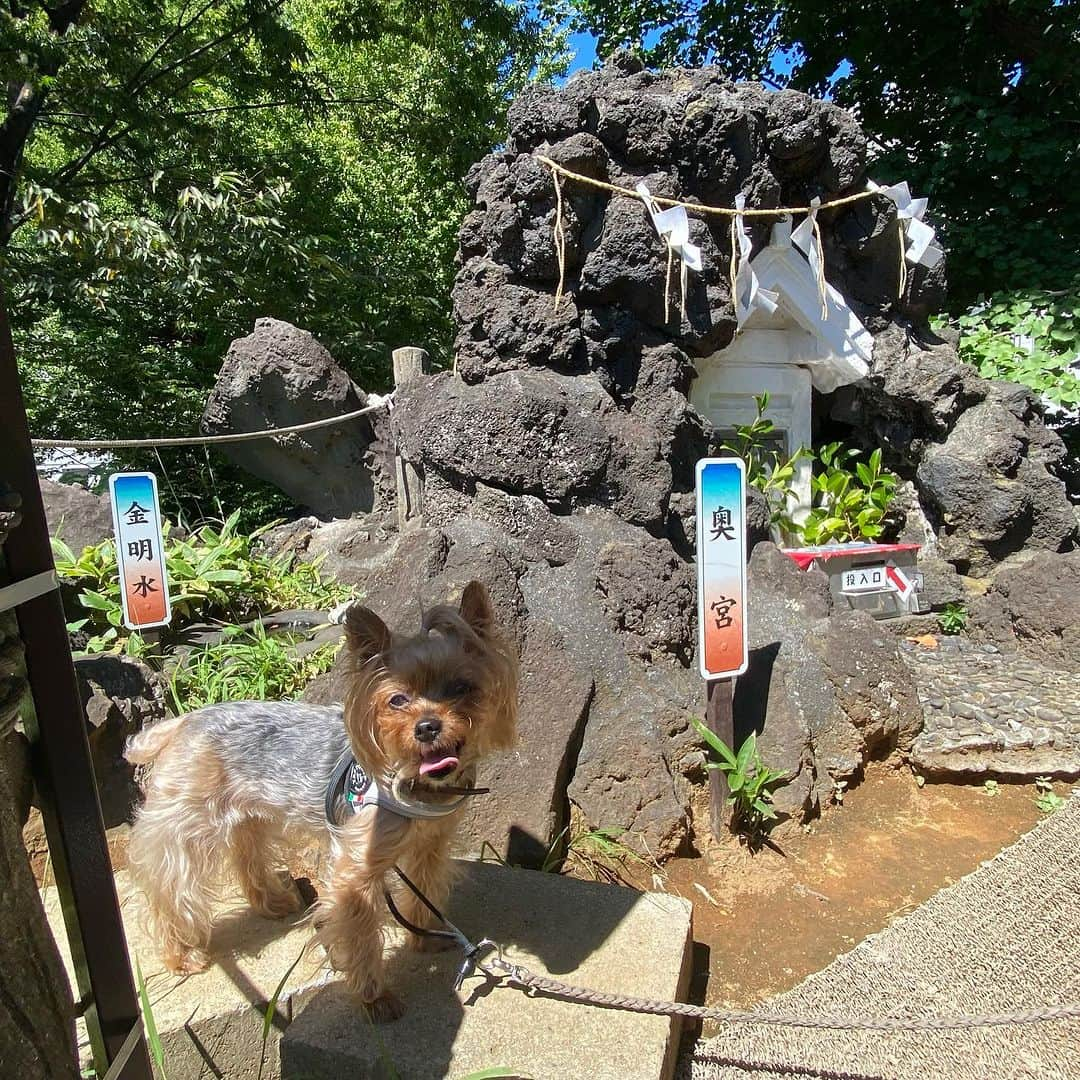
335	789
350	784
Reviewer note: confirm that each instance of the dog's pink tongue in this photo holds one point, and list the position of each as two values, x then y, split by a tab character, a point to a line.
436	765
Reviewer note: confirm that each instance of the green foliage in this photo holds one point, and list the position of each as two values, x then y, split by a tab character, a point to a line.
974	104
247	665
953	619
1027	336
169	172
848	505
750	781
767	469
213	573
599	854
493	1073
1045	799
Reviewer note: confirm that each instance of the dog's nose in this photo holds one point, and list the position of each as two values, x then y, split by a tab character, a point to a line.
428	729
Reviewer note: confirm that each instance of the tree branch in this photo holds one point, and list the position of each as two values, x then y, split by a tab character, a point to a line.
22	114
133	87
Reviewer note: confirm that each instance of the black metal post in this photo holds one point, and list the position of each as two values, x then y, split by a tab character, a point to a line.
60	758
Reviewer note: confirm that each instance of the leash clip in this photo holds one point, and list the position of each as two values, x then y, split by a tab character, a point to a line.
472	962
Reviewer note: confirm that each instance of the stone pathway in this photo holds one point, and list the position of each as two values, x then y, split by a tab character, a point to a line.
992	712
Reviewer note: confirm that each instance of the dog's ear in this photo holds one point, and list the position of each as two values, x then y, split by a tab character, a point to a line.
476	609
366	634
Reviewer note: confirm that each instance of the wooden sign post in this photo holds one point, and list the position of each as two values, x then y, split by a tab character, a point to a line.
410	363
722	636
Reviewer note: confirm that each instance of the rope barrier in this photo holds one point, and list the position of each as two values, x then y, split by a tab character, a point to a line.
523	979
210	440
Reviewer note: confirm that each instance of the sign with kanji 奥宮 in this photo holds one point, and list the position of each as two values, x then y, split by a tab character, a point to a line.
140	556
721	566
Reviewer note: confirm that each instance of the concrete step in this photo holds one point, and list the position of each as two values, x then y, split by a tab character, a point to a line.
593	935
589	934
211	1024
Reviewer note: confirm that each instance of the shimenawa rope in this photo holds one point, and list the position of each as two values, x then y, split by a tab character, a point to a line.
558	171
702	208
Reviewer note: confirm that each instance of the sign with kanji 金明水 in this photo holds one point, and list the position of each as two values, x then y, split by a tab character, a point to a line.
721	565
140	555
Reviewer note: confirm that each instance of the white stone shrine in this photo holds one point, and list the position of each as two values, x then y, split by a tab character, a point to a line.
786	346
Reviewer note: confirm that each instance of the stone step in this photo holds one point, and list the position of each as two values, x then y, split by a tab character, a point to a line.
589	934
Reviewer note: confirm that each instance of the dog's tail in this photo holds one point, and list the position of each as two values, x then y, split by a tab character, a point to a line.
141	749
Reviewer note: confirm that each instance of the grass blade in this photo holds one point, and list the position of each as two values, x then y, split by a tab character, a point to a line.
271	1007
153	1040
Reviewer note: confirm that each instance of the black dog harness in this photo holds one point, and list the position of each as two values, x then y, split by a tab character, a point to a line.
351	789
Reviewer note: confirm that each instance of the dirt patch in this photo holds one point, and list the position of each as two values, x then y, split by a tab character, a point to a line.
771	919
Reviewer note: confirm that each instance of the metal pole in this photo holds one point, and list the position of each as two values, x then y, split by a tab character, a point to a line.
60	759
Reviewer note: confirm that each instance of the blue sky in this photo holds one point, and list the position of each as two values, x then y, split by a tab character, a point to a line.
583	55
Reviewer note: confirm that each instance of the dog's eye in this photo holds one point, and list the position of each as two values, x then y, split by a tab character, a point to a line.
458	689
399	701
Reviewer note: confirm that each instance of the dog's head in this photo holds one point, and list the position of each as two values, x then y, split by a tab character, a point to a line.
424	709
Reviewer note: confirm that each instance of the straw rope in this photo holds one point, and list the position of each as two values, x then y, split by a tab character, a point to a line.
701	208
560	238
558	172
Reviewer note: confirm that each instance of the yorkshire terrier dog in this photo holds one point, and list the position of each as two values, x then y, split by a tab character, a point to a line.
234	787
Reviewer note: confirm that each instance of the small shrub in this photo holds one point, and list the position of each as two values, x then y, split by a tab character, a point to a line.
1045	799
750	781
247	665
953	619
768	470
213	573
848	505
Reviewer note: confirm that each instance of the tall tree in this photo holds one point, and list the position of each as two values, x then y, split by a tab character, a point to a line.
975	102
172	169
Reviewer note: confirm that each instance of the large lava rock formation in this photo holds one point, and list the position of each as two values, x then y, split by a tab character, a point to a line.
558	458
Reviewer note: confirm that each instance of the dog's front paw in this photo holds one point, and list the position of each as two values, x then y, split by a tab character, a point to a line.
187	961
385	1008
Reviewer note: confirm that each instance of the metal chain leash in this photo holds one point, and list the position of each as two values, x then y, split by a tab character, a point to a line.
522	978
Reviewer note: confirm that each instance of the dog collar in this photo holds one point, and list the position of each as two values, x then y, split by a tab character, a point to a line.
351	789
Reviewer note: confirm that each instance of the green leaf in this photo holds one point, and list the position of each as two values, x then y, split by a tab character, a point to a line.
746	753
62	552
95	601
234	577
714	741
493	1073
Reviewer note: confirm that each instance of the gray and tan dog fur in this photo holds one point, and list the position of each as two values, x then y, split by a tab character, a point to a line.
235	787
